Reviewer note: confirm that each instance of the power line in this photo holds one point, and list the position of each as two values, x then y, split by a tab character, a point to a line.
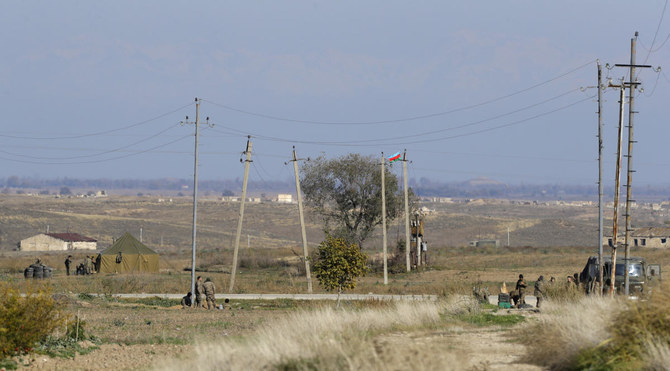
240	132
405	119
98	133
660	21
101	160
94	154
381	142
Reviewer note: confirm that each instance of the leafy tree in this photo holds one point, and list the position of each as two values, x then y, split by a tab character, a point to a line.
339	264
347	192
65	191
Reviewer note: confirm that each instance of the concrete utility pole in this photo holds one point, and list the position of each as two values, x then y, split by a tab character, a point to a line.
600	180
418	243
239	221
404	177
302	223
615	220
386	276
632	85
195	188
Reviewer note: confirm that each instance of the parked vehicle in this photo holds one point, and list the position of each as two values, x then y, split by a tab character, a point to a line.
639	274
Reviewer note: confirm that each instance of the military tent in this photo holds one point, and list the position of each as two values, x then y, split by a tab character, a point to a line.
128	255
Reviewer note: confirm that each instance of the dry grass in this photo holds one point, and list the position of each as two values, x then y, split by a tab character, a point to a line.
602	333
330	339
567	328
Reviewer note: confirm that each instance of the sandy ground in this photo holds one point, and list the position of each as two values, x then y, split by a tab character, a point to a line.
110	357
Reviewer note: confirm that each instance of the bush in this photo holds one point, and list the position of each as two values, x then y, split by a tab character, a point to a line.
24	321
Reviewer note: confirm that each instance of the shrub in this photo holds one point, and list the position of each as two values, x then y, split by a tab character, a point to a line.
26	320
339	264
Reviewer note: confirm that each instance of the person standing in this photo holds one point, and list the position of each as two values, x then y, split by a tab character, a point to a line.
199	291
210	290
539	290
68	261
521	289
88	269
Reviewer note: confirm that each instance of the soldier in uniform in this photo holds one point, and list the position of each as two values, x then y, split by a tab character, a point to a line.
539	290
87	265
521	289
68	261
199	292
210	289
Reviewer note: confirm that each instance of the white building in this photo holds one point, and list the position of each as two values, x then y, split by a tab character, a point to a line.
58	242
285	198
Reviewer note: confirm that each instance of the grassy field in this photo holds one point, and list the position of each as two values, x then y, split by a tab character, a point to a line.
551	241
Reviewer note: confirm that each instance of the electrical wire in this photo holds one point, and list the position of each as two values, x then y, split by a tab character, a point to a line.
441	130
94	154
101	160
382	142
405	119
98	133
653	41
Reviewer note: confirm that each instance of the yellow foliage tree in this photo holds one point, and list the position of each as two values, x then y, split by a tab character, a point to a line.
339	264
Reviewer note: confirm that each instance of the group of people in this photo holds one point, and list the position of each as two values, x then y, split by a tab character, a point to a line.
519	294
203	290
87	265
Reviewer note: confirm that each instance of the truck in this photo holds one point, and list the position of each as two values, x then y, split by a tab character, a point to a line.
639	274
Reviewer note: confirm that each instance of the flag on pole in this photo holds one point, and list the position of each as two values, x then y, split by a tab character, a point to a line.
395	157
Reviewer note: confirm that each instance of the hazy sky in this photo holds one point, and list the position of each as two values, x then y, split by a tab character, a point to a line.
94	89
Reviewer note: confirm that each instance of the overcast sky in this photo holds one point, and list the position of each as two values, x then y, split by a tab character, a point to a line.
93	89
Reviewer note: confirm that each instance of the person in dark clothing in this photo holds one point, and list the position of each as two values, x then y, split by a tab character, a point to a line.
68	261
521	289
186	301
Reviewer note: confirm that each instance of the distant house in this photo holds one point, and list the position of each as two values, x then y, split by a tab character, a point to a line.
285	198
485	243
58	242
643	237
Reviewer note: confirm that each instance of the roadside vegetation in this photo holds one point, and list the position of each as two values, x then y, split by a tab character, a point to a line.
594	333
380	336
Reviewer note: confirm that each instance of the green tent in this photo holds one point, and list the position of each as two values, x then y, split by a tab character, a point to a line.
128	255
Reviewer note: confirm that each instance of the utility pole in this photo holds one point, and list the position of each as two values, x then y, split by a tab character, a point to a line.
600	180
195	188
239	222
418	245
615	220
386	277
404	176
632	85
302	223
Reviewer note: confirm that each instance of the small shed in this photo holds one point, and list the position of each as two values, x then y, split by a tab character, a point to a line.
128	255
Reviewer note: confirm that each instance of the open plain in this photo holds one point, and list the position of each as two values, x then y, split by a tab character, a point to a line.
546	239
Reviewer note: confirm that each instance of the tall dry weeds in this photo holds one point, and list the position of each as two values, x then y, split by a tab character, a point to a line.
331	339
567	328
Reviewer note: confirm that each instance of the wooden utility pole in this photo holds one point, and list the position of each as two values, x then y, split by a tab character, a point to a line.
302	223
195	189
239	221
615	220
386	277
404	177
632	85
600	181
